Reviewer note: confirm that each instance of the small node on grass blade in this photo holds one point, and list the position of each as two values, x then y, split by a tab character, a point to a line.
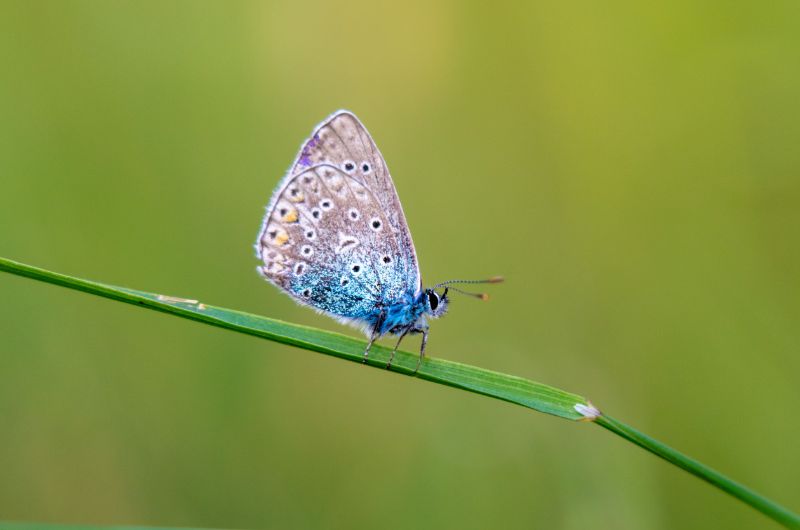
176	300
588	411
201	306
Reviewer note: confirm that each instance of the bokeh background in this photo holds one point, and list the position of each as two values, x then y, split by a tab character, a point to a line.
631	169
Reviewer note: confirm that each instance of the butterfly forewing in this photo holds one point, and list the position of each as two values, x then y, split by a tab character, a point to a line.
343	142
327	241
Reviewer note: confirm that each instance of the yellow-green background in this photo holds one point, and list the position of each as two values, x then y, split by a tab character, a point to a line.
631	168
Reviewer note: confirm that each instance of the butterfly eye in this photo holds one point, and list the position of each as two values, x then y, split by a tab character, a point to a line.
433	300
375	223
349	166
365	167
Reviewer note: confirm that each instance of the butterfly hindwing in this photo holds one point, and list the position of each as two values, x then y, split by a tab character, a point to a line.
327	241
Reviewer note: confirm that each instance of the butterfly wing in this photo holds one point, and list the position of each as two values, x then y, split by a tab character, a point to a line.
328	242
343	142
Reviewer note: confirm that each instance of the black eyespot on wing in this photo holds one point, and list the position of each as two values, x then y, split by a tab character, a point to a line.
349	166
307	293
387	259
283	211
315	214
356	268
376	224
365	167
433	300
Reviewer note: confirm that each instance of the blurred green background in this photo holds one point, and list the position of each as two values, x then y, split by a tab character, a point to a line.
632	170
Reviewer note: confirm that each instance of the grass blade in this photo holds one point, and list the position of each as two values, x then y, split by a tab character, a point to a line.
508	388
741	492
530	394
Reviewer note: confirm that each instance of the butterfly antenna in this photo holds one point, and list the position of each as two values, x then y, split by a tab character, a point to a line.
481	296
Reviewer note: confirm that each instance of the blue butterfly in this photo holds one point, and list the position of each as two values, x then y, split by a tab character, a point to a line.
335	238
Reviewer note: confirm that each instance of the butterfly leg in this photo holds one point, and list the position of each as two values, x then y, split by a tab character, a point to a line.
422	349
375	334
369	345
405	332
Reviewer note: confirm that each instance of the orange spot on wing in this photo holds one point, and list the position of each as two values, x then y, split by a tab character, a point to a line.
290	217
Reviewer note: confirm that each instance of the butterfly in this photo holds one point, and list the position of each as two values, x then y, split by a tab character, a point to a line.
335	238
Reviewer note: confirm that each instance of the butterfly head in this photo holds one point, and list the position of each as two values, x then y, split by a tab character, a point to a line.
435	303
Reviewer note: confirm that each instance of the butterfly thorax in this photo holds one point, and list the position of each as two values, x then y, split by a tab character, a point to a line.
408	312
